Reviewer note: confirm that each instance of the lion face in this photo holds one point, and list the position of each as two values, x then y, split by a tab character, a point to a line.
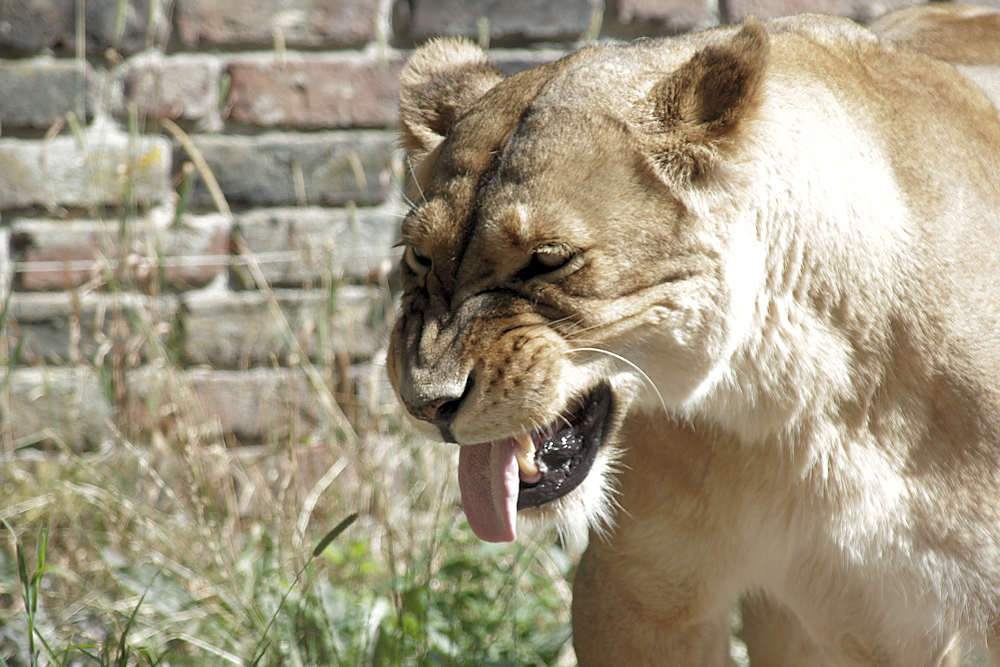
552	250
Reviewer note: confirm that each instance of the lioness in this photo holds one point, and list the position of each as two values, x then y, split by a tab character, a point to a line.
732	300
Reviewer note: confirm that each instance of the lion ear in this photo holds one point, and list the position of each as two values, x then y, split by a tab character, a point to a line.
699	108
439	83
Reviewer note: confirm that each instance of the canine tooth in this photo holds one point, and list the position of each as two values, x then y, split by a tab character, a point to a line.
525	455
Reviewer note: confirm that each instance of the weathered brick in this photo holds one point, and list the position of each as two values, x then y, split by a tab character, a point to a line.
184	86
674	14
33	25
314	90
255	405
37	92
512	61
58	172
61	254
738	10
125	26
230	330
193	251
299	245
556	20
327	167
300	22
66	406
61	327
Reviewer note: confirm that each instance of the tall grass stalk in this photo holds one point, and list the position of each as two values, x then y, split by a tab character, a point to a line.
174	543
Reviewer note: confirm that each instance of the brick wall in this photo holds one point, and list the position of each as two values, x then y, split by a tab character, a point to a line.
121	263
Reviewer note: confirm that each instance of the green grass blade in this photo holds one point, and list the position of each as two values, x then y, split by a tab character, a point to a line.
332	535
122	655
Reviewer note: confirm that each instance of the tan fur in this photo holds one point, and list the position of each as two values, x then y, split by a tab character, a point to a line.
780	245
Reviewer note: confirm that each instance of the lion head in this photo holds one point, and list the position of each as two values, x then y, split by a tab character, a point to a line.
565	225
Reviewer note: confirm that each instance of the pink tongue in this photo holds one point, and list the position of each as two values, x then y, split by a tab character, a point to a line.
489	481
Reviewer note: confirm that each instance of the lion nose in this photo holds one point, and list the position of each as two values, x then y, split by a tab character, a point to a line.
440	410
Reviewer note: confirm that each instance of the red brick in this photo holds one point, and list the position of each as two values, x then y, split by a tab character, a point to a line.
314	91
741	9
671	13
300	22
71	252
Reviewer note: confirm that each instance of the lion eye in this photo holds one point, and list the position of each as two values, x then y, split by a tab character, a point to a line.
550	260
551	263
418	260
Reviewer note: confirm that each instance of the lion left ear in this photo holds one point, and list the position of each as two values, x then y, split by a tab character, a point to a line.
690	114
439	83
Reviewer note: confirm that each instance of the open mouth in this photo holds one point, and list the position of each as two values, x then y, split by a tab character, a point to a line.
554	461
498	478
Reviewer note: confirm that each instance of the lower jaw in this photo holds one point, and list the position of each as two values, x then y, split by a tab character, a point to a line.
559	481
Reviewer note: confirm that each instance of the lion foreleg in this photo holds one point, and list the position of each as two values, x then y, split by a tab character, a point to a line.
613	625
774	637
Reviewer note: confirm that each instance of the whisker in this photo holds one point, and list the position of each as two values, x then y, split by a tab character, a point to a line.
641	372
416	182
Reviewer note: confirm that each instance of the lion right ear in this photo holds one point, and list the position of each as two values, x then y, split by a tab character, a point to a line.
439	83
692	114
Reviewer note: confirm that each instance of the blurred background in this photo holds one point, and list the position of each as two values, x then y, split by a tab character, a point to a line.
199	201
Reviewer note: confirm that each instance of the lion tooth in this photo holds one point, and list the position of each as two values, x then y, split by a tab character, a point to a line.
525	455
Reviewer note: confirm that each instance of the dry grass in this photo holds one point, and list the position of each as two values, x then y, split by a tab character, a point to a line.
174	544
171	546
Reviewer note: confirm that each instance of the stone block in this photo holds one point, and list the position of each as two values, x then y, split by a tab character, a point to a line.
34	25
38	92
673	14
314	90
65	406
62	254
308	245
109	166
125	25
738	10
257	22
274	168
60	327
255	405
559	20
239	329
182	86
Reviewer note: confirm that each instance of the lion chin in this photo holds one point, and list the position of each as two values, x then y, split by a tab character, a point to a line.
729	306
